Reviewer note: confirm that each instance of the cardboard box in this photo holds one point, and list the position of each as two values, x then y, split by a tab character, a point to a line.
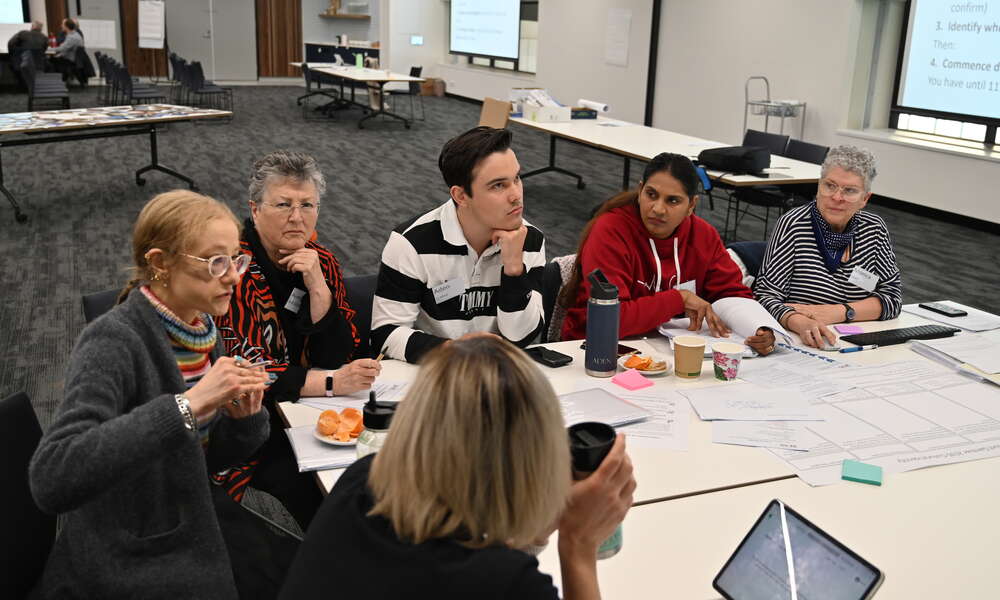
547	114
432	86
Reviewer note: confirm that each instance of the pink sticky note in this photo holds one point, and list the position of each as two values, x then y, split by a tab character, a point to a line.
631	380
848	329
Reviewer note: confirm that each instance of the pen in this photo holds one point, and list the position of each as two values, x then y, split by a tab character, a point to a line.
859	348
379	357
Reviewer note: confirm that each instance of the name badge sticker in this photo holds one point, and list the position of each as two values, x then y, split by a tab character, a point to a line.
864	279
294	301
452	288
689	285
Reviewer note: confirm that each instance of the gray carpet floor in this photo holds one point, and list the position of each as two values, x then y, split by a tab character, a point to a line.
82	201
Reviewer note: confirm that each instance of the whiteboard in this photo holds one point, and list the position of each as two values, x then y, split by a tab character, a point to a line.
151	24
100	34
7	31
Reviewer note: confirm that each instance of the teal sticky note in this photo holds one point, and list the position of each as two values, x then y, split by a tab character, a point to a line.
853	470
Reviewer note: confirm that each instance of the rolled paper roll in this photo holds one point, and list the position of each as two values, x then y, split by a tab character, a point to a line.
592	104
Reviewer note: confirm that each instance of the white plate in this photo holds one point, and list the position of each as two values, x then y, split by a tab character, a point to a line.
655	357
329	440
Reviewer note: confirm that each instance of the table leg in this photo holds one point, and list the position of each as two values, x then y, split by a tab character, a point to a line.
626	173
553	168
19	216
381	109
155	165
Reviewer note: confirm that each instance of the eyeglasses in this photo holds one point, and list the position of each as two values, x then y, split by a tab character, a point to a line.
219	264
850	193
286	208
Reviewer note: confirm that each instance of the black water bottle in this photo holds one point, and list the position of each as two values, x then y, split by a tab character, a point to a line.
602	326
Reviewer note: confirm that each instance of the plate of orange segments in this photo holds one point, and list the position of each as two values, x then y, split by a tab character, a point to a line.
647	364
339	429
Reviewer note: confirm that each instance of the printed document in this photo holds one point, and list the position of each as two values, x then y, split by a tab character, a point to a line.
749	402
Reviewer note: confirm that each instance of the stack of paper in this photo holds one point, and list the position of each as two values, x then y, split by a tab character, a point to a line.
667	426
751	415
977	355
385	391
314	455
743	315
599	405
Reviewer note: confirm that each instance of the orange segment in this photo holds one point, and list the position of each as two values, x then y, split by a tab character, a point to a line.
329	422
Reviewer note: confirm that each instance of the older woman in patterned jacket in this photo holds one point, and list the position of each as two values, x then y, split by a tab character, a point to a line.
290	308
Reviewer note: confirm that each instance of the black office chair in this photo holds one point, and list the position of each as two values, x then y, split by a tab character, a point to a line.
774	142
797	194
412	90
312	78
25	553
361	295
96	304
751	253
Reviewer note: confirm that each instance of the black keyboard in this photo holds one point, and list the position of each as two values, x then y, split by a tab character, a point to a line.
890	337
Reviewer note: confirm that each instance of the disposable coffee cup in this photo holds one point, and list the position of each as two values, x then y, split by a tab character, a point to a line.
726	359
589	443
689	352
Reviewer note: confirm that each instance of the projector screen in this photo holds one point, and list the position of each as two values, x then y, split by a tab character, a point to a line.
489	28
951	58
13	11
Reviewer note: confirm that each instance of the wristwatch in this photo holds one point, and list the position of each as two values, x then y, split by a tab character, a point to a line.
849	315
329	384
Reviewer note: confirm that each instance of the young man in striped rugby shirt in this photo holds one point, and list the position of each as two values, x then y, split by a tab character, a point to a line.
469	266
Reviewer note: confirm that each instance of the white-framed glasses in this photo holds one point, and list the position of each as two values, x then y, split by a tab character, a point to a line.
286	208
849	192
219	264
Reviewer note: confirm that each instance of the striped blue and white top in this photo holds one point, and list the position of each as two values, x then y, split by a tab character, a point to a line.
431	250
793	269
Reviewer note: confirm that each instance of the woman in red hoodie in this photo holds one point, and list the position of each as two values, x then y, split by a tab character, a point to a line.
665	260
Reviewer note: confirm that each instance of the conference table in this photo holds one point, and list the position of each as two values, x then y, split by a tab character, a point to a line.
932	532
374	79
52	126
661	474
633	141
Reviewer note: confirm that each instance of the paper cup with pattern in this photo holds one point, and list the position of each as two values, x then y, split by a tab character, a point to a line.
726	358
689	352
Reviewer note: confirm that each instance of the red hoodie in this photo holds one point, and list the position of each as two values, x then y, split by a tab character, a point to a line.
619	245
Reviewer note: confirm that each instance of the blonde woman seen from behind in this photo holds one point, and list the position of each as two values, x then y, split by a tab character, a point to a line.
476	467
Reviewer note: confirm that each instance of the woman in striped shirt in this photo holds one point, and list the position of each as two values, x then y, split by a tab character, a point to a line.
829	261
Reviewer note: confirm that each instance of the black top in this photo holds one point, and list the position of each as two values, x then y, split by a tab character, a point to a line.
27	39
349	555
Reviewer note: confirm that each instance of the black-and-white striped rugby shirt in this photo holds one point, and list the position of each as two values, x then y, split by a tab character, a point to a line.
431	250
793	269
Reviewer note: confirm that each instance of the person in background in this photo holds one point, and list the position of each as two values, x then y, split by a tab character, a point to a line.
471	265
830	261
152	406
64	59
475	469
665	260
28	39
290	309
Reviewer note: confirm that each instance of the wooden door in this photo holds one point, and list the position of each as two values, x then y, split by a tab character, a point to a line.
148	62
55	12
279	37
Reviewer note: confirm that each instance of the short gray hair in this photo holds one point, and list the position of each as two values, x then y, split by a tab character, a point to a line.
36	25
283	164
851	158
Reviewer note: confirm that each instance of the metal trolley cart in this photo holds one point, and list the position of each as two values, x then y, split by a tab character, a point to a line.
767	108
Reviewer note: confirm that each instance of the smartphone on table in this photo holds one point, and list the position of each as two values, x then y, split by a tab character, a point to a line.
547	357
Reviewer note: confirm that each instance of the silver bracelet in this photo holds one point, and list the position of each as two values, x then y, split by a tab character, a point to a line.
184	406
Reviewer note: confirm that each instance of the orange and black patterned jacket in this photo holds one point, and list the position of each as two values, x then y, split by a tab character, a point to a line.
259	327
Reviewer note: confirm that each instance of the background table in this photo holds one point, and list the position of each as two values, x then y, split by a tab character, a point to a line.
932	532
630	140
376	77
51	126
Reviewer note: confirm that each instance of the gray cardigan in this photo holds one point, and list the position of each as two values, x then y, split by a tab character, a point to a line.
132	482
